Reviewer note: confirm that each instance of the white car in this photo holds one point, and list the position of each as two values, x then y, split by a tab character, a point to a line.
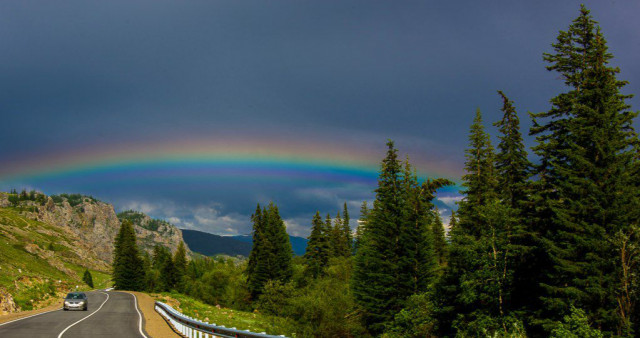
76	301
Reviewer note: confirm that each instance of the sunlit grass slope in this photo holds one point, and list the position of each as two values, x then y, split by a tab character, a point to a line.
252	321
38	262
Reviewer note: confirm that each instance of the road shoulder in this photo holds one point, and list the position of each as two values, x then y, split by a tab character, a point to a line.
19	315
154	324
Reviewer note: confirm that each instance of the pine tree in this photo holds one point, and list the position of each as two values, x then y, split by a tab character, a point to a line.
180	264
258	265
346	231
395	253
453	222
271	253
280	244
339	242
514	191
439	240
168	274
128	271
480	179
586	191
462	290
512	165
318	250
87	278
376	263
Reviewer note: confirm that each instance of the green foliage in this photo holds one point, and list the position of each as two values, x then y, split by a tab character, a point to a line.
318	247
252	321
73	199
588	188
87	278
415	320
136	217
360	230
395	256
479	180
271	254
275	297
575	325
180	264
217	281
439	241
128	273
15	198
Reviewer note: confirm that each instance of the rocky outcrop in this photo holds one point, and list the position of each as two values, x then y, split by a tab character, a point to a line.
151	232
96	224
4	200
7	305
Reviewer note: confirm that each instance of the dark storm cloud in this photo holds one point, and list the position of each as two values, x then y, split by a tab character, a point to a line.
79	72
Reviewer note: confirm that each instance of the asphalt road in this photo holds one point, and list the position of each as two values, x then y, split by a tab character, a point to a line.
110	314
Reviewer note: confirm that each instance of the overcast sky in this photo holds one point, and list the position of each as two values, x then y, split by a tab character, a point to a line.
332	75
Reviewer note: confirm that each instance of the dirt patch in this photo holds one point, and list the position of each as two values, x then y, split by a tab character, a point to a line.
154	325
18	315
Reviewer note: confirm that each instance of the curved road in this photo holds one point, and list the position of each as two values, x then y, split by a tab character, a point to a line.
110	314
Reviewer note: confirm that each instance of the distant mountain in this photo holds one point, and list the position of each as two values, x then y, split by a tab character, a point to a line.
298	244
210	244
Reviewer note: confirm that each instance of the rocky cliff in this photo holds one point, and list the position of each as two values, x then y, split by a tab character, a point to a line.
94	222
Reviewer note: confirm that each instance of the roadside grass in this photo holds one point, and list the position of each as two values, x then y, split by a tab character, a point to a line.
241	320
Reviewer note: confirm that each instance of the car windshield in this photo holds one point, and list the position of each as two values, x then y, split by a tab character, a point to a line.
74	296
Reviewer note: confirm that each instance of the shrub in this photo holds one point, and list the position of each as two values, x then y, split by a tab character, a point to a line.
575	325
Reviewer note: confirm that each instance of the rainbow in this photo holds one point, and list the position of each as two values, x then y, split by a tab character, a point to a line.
193	159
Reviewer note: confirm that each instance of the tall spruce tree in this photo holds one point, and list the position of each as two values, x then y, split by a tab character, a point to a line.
479	182
271	254
258	265
180	264
511	162
339	242
318	250
128	273
439	240
281	245
585	193
461	292
513	170
393	261
87	278
346	231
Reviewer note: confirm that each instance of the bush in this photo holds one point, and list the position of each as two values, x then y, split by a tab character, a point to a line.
575	325
275	298
415	320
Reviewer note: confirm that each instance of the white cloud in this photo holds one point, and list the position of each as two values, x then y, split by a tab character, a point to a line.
450	200
297	227
208	218
144	207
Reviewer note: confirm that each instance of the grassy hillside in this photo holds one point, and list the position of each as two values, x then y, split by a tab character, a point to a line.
40	262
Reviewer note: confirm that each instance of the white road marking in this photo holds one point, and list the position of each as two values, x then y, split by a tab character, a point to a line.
135	303
37	314
92	313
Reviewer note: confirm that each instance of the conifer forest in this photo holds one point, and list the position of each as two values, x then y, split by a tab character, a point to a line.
544	243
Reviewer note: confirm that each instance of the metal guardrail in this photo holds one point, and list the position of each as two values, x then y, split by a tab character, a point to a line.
193	328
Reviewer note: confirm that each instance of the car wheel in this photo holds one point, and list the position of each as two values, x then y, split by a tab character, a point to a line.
85	308
65	309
